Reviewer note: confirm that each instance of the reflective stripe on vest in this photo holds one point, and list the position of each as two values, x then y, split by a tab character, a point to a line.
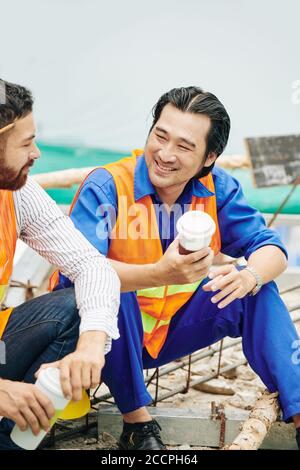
3	290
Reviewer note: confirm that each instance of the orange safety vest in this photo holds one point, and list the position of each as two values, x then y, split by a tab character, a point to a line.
8	240
158	304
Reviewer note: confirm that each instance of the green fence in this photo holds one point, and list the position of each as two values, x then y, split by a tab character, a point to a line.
56	157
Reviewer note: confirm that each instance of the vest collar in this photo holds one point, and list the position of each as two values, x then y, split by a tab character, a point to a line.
143	186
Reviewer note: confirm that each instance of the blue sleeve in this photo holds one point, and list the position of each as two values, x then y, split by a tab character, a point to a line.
242	227
95	212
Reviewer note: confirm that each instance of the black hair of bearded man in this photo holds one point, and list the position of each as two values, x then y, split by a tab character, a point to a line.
16	102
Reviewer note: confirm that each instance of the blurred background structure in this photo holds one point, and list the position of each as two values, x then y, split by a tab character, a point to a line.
96	68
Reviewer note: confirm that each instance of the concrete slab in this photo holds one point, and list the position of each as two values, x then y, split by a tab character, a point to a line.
196	428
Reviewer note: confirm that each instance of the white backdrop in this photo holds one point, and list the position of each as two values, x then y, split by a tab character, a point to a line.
97	67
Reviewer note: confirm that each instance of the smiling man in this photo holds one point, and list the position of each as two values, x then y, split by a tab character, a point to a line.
170	307
73	327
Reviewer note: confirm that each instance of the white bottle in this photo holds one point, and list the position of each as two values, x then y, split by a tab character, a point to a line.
48	383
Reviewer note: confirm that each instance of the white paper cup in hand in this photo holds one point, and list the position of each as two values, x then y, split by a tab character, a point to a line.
48	383
195	229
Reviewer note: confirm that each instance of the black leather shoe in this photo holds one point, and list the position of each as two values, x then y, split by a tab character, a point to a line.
146	437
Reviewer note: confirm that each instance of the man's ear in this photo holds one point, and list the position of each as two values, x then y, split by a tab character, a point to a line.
212	157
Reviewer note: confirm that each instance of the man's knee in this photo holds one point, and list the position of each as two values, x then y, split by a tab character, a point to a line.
64	302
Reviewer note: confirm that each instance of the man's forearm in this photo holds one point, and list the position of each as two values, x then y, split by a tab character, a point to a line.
135	276
268	261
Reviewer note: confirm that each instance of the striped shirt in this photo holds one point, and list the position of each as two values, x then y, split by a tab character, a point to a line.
43	227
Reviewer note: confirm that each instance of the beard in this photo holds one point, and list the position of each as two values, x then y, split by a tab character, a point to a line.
12	180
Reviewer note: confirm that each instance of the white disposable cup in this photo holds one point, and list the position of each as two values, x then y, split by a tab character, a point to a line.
48	383
195	229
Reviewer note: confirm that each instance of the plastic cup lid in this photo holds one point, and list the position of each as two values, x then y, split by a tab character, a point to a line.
196	223
49	378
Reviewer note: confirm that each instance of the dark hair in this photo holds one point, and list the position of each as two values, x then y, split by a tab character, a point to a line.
15	102
193	99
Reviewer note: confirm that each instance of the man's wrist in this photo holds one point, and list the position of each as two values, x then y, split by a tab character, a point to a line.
155	275
92	339
249	279
256	280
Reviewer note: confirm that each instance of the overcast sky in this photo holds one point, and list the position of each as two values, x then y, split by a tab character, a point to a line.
96	67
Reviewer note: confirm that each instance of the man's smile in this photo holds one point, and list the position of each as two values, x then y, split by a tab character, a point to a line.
162	169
